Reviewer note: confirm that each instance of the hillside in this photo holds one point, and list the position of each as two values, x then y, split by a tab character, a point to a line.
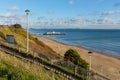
20	39
12	68
37	54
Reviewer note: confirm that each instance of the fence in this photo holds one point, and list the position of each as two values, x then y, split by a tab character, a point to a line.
63	67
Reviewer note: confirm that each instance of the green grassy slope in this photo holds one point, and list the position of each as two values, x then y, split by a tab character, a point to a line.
20	39
12	68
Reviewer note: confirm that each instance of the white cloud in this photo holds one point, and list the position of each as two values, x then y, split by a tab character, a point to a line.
13	8
40	18
106	21
5	15
73	22
90	20
9	15
60	22
105	13
76	21
20	18
8	18
71	2
110	12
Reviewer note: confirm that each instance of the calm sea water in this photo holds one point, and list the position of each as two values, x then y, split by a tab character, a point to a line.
106	41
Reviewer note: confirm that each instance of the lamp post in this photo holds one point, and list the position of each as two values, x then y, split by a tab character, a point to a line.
90	56
27	41
90	63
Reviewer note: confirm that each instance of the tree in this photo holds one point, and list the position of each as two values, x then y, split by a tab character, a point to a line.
74	57
17	26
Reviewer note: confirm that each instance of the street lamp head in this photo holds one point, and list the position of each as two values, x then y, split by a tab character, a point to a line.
27	11
90	53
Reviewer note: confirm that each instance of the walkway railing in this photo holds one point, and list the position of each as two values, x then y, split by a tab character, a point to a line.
67	69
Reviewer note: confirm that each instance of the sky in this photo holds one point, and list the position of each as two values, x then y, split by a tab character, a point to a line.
83	14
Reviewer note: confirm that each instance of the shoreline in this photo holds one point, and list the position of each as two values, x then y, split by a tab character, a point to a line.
104	64
94	51
100	52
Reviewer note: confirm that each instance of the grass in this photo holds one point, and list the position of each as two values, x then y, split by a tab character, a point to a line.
30	69
12	68
20	39
45	62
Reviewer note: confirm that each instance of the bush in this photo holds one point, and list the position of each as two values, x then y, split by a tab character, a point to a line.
73	56
17	26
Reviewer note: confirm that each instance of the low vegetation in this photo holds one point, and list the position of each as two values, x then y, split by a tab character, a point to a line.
12	68
17	26
61	68
20	39
18	72
75	58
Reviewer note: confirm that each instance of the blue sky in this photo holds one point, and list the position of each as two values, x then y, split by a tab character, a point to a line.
98	14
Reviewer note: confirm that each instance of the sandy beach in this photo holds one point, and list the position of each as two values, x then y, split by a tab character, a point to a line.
108	66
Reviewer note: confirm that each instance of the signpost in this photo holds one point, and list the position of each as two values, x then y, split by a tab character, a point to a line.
10	38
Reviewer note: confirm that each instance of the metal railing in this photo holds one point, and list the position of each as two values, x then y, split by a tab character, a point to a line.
67	66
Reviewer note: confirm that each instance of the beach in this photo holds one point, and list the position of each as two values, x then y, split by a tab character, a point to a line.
106	65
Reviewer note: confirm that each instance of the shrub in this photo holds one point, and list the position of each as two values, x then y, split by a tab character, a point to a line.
17	26
74	57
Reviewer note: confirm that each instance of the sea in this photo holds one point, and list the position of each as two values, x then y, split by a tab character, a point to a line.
105	41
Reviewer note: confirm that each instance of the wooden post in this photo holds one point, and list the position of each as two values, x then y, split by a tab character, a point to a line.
75	70
51	62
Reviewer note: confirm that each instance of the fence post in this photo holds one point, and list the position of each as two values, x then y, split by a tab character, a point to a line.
51	62
75	70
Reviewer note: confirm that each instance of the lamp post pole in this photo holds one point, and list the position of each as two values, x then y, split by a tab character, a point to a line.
90	63
27	41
